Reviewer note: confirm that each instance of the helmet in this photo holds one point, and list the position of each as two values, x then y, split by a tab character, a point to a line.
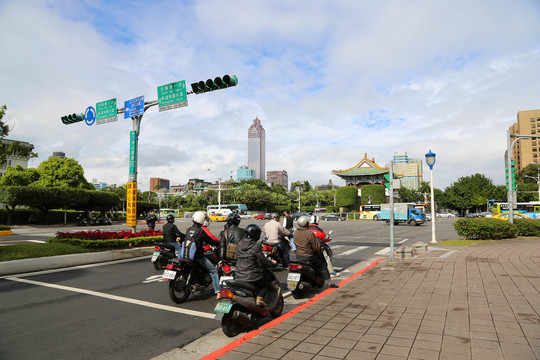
303	221
170	218
314	219
253	231
274	215
199	217
233	219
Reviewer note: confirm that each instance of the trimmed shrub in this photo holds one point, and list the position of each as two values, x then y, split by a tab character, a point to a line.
485	228
528	227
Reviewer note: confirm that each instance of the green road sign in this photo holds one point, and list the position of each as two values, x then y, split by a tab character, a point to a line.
172	96
106	112
132	152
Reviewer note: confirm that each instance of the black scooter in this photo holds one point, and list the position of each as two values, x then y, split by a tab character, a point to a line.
237	308
163	252
302	278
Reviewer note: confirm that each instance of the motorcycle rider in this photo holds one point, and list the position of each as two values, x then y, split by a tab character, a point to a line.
309	249
200	235
275	232
250	258
151	220
231	235
171	234
314	227
288	223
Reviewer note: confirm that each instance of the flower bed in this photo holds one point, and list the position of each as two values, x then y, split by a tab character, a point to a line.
108	239
107	235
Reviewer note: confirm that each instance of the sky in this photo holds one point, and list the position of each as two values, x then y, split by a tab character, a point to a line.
329	80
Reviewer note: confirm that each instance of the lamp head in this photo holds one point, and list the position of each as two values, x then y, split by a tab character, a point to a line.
430	159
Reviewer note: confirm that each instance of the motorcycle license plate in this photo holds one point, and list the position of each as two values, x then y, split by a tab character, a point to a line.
169	274
292	280
225	278
155	255
224	307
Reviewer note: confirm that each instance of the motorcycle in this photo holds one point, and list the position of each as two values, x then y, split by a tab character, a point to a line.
237	308
271	251
186	276
81	221
163	252
302	277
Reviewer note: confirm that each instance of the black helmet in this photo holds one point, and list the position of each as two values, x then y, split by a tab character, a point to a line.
233	219
170	218
253	231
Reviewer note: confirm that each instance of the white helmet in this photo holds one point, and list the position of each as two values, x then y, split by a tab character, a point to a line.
199	217
314	219
303	221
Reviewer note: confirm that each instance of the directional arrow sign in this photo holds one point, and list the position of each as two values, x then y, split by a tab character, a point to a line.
134	107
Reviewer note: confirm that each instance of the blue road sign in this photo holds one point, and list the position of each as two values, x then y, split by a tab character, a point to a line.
134	107
90	116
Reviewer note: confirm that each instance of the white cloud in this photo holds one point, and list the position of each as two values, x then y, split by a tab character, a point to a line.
330	81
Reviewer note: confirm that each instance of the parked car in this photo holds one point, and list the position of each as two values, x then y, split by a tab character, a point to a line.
506	216
217	217
245	216
428	217
296	215
332	217
472	215
260	216
446	215
486	214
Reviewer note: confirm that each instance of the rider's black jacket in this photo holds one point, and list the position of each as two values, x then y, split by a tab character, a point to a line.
171	232
231	235
249	259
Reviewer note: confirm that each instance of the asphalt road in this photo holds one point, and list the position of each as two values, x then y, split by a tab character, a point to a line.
121	310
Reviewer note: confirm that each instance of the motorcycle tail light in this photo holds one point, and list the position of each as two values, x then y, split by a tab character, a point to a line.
207	247
156	248
266	248
296	266
226	293
226	268
169	267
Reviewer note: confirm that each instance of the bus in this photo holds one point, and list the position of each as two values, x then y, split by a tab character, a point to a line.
530	209
226	209
370	212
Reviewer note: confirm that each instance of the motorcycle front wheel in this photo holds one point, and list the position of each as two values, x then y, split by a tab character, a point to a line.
279	308
179	289
230	327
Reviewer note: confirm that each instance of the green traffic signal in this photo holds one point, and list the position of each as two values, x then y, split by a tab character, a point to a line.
218	83
72	118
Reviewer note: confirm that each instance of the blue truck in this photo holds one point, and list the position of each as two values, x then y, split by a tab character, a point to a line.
403	213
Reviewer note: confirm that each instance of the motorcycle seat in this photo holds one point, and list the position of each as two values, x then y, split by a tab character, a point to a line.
243	284
168	246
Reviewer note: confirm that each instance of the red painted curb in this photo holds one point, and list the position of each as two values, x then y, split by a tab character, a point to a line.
217	353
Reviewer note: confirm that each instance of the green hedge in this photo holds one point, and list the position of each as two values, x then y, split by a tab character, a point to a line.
487	228
109	243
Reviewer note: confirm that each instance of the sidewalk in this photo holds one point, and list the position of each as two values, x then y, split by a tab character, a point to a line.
475	302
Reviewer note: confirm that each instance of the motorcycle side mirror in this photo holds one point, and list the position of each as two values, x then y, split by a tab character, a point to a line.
330	232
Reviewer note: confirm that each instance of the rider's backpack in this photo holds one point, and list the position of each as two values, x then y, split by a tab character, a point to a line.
189	246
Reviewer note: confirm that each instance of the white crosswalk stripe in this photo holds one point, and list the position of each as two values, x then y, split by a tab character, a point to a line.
352	251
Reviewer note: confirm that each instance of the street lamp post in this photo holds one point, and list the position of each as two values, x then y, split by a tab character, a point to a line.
430	159
537	181
298	189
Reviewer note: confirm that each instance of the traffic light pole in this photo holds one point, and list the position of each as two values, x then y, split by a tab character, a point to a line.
510	194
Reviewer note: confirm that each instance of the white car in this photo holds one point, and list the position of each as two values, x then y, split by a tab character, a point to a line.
445	215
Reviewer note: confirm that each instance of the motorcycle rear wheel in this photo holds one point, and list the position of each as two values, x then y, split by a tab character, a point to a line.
230	327
179	289
160	262
297	294
279	308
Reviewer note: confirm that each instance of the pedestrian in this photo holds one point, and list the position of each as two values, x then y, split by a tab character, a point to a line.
151	220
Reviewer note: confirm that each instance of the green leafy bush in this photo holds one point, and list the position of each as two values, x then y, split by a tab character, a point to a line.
528	227
109	243
3	227
485	228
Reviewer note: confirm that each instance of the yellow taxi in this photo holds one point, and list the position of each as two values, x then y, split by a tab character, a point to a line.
217	217
504	216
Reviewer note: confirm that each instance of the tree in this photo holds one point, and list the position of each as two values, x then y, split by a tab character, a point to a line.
304	185
9	147
469	192
19	176
63	172
373	193
347	196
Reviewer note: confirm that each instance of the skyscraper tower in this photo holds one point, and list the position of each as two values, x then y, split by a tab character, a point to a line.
257	149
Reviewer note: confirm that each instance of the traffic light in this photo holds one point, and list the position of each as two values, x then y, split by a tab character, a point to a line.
218	83
72	118
513	166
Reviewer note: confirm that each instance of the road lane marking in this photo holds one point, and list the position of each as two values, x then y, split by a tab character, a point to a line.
402	241
352	251
115	297
383	251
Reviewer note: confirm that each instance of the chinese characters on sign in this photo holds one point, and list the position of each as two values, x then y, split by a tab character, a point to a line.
132	152
172	96
131	216
134	107
106	112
